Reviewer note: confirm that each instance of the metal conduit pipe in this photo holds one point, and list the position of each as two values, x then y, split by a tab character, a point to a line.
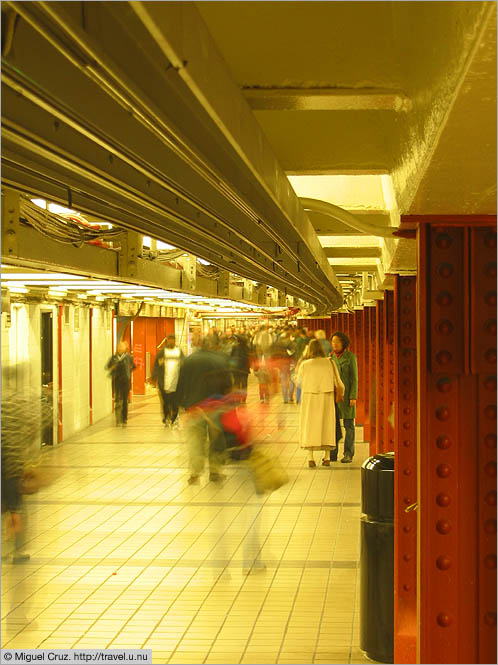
341	215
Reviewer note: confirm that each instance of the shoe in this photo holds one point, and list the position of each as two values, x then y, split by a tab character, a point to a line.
311	464
193	480
347	459
325	462
21	557
216	477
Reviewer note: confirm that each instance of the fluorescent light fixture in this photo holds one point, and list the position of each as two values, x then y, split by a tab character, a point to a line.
100	298
18	289
204	262
83	296
57	293
57	209
164	245
43	276
41	203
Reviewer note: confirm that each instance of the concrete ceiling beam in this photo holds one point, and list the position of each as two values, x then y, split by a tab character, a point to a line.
352	252
326	99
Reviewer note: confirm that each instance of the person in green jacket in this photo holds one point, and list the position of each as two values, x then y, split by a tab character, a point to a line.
348	370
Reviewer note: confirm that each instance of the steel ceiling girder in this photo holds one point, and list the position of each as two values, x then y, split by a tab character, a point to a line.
70	110
29	167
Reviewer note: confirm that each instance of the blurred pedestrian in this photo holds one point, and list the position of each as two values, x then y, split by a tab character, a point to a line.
204	376
120	367
347	365
263	341
239	363
283	354
24	417
165	373
262	373
321	387
326	345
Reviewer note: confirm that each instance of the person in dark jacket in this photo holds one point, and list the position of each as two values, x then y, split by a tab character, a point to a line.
204	376
239	363
348	369
120	366
165	373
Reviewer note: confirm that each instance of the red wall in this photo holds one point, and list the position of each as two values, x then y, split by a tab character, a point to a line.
148	333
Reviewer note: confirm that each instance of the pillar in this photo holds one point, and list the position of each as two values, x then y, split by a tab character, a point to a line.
373	380
365	378
380	345
405	488
360	354
389	383
456	330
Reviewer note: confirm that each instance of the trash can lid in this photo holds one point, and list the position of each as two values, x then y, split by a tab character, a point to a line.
379	462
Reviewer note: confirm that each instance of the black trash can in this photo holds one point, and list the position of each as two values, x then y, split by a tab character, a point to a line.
377	558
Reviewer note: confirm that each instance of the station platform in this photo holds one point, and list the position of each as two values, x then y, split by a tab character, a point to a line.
126	554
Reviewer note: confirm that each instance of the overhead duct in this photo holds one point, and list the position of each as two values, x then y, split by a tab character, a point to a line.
341	215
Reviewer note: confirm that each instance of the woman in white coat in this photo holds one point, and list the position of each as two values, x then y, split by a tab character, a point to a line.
321	386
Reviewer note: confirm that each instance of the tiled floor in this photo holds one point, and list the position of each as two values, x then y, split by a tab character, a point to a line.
124	553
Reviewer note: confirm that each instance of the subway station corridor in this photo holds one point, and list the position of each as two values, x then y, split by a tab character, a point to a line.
124	553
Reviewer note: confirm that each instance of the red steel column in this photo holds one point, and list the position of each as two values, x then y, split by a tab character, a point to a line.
373	380
388	372
350	326
380	344
365	376
456	452
405	488
483	365
360	354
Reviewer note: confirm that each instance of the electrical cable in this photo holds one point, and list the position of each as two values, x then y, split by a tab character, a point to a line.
69	229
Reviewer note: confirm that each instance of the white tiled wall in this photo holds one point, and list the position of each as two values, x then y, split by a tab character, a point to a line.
101	352
21	361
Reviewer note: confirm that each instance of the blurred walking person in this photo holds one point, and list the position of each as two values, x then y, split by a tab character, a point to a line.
263	341
165	373
321	386
204	376
284	351
120	367
24	416
239	364
326	345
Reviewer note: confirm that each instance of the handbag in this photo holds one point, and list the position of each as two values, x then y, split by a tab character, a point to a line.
267	471
339	386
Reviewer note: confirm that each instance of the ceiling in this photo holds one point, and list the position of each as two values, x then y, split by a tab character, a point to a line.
438	56
375	110
348	89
